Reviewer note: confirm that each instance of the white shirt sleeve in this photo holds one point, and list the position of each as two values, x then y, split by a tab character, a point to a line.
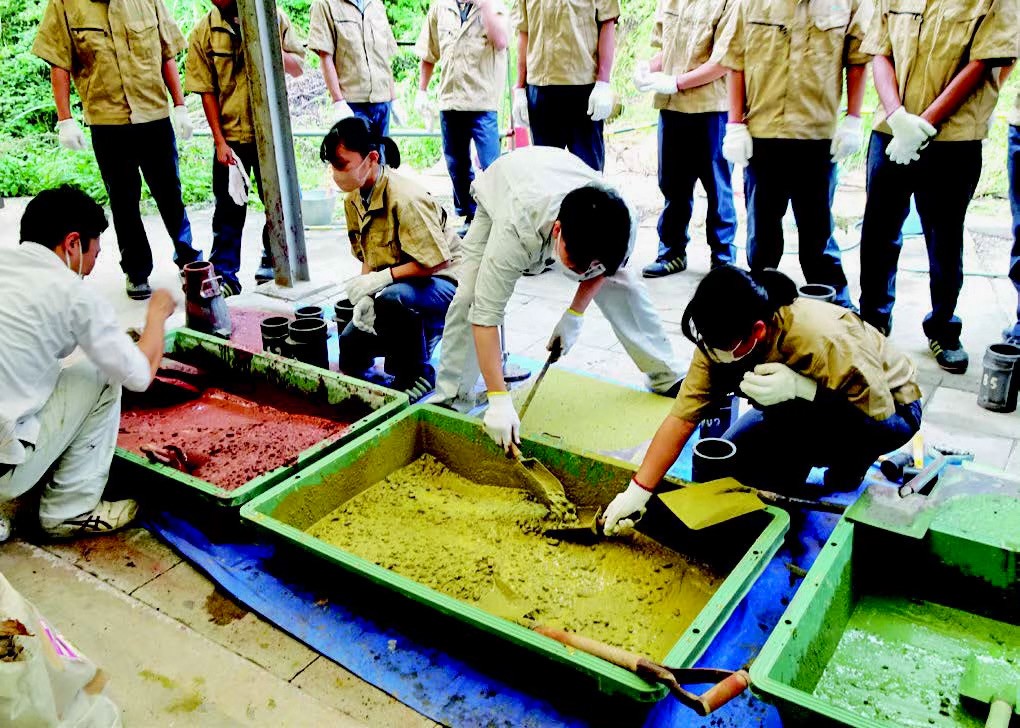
507	255
110	349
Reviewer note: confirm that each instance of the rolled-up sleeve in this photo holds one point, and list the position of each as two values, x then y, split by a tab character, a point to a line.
53	39
729	43
110	349
504	261
877	41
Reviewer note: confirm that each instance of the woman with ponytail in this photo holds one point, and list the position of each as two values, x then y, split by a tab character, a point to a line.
827	389
398	232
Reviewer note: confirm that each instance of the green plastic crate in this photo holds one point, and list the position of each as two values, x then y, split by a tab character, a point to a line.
880	632
216	355
741	548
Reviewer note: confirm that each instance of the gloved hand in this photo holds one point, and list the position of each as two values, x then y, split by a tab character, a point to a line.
642	72
424	108
398	113
848	138
620	513
737	145
237	184
773	383
364	315
70	135
901	153
341	110
520	107
911	134
501	421
368	284
600	102
566	332
183	122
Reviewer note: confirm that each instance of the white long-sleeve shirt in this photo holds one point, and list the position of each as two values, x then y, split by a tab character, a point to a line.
46	311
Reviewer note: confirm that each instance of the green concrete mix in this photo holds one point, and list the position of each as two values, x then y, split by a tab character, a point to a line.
484	544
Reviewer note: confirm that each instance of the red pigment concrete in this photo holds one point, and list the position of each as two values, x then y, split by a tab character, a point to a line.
246	331
241	438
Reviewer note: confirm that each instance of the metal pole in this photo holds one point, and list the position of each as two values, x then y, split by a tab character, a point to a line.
260	32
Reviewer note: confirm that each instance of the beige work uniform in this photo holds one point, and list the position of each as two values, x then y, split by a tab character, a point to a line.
930	41
361	45
402	222
828	344
793	53
115	53
216	66
686	31
563	38
473	74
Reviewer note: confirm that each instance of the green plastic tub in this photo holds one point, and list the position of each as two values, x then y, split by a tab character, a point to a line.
217	356
739	550
882	628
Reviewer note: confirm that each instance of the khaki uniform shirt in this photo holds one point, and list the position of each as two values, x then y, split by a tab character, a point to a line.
402	222
793	53
473	76
115	53
686	31
216	65
563	38
361	44
831	346
929	41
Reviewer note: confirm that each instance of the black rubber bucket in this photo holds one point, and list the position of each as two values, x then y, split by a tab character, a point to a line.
274	334
314	312
818	291
306	342
998	391
343	311
712	459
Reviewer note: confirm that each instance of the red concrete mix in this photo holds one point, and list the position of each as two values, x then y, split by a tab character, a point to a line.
246	331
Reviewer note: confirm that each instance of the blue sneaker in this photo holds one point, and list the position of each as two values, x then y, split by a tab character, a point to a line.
665	267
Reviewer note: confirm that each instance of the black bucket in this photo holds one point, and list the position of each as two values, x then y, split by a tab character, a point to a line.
314	312
719	419
818	291
712	459
274	334
307	342
999	381
343	310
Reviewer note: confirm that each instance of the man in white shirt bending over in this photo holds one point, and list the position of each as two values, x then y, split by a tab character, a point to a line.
58	425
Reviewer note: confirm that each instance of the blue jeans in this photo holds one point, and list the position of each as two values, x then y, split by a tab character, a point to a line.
121	151
559	118
228	217
409	318
459	128
1013	164
376	114
777	446
690	149
798	172
942	182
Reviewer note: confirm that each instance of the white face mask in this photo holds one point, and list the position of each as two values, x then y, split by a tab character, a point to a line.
67	262
594	270
728	357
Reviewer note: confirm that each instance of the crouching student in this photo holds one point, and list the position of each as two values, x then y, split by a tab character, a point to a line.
398	232
828	390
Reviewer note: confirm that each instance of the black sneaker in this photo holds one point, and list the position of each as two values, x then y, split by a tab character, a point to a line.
138	291
661	268
463	229
264	274
229	288
1008	337
418	389
950	355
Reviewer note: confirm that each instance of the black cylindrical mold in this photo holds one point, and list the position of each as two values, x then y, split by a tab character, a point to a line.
818	291
306	342
343	311
274	334
304	312
712	459
999	380
719	418
892	467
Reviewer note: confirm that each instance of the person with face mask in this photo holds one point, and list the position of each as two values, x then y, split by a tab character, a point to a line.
216	70
58	425
537	203
408	273
828	390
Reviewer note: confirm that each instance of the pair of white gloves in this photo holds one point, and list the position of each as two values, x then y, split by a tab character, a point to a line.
70	135
645	80
501	421
738	146
911	134
767	385
360	290
600	104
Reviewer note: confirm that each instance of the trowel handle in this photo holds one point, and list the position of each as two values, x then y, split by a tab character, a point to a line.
723	692
999	714
609	653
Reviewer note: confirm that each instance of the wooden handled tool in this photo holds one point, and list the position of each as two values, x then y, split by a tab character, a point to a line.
728	683
554	356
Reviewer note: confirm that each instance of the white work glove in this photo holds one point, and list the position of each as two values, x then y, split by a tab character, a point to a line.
501	421
626	509
237	183
737	145
368	284
183	122
656	81
364	315
600	102
520	107
773	383
848	138
566	331
910	135
423	106
642	72
341	110
70	135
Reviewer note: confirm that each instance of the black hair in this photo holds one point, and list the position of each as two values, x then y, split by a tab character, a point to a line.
595	223
354	133
55	213
729	301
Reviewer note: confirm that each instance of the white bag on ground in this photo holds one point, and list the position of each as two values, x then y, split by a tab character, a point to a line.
44	680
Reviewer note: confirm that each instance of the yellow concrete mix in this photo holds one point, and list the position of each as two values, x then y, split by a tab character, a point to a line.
472	541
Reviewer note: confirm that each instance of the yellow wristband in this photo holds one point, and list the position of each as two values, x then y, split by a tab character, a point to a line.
575	313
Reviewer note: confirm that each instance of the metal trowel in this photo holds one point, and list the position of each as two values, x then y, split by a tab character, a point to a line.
589	530
544	485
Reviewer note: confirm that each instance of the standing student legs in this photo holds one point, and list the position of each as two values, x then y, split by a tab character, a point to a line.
228	217
767	195
159	164
1013	164
559	118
